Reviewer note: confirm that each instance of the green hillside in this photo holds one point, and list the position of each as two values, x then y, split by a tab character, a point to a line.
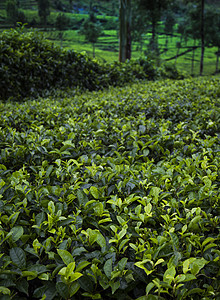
112	194
109	172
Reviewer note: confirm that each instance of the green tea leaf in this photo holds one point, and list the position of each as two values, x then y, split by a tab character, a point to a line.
44	277
101	241
193	225
82	198
115	286
148	208
149	287
49	171
70	269
197	265
17	233
209	246
82	265
98	209
18	257
66	256
195	291
187	263
180	278
75	276
29	274
122	233
123	243
94	191
161	260
169	275
207	240
62	289
23	286
74	287
4	290
155	191
189	277
122	263
108	267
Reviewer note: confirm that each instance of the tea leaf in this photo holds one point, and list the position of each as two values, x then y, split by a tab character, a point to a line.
17	233
74	287
114	286
169	275
70	269
62	289
108	268
82	265
122	263
149	287
18	257
94	191
66	256
4	290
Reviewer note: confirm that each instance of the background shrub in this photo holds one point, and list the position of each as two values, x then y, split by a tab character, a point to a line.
30	65
171	71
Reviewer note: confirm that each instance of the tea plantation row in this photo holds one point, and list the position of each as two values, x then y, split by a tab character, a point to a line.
112	195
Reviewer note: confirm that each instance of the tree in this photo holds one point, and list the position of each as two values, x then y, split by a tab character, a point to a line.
155	9
202	35
71	5
204	26
217	58
193	29
178	46
212	32
92	30
139	25
125	30
62	22
12	11
181	29
43	10
169	24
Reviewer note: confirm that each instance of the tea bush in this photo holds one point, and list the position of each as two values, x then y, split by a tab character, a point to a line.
112	195
29	66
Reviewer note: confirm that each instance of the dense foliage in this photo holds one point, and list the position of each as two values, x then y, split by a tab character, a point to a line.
112	195
30	65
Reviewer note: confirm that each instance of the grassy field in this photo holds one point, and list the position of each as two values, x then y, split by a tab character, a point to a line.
107	49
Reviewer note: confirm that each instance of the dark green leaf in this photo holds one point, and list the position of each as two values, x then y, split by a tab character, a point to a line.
18	257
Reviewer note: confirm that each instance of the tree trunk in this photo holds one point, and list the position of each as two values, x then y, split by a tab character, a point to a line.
193	58
90	5
202	36
93	50
153	34
141	45
61	38
166	42
128	46
217	59
177	53
125	30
